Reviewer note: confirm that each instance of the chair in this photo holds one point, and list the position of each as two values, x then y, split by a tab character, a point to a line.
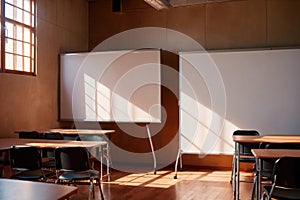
245	156
102	153
267	165
266	170
29	134
285	180
73	166
27	163
1	165
4	161
49	153
244	150
53	136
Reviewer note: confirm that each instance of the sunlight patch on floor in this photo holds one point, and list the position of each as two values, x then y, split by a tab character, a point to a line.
165	179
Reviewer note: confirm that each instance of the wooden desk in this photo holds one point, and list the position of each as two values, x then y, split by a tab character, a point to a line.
261	154
17	189
275	153
239	139
81	131
267	139
74	131
88	133
6	143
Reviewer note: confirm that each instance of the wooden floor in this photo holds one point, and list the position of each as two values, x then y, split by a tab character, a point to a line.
191	184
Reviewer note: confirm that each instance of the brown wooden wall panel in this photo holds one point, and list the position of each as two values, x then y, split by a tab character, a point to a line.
283	23
188	20
237	24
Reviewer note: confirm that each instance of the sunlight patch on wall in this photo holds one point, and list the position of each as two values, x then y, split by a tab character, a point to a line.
198	134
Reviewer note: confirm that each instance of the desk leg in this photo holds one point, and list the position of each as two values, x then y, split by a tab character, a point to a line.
237	171
101	162
233	173
152	148
176	163
258	184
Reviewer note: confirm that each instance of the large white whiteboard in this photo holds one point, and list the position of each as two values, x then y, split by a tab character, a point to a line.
262	90
119	86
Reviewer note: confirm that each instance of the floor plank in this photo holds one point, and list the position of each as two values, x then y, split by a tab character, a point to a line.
191	184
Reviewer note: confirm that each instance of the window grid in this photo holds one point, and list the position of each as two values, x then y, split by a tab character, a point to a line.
18	40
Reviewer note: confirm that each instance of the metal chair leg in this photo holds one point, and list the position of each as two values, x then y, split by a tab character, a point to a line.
100	189
253	187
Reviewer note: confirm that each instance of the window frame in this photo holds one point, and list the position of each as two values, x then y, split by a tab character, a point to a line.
33	41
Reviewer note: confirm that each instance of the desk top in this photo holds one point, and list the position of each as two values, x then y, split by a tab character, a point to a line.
17	189
275	153
82	131
267	138
6	143
74	131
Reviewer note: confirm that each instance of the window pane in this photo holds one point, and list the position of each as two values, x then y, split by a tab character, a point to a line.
19	63
10	1
20	3
27	5
27	64
9	46
27	35
32	65
19	48
19	33
32	8
32	38
26	49
27	19
9	30
19	16
9	11
32	20
9	61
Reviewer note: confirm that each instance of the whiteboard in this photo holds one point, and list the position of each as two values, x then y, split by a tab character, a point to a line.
262	92
119	86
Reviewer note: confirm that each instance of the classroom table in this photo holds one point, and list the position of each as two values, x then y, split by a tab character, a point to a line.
240	139
6	143
68	132
261	154
86	132
90	132
81	131
19	189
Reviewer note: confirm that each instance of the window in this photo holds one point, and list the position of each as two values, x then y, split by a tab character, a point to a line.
18	43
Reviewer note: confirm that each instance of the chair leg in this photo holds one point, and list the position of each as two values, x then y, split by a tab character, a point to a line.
233	174
91	190
263	196
232	170
100	190
253	187
1	171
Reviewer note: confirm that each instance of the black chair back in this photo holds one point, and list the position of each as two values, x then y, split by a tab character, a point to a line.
72	158
287	172
245	148
282	146
25	157
29	134
268	164
53	136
